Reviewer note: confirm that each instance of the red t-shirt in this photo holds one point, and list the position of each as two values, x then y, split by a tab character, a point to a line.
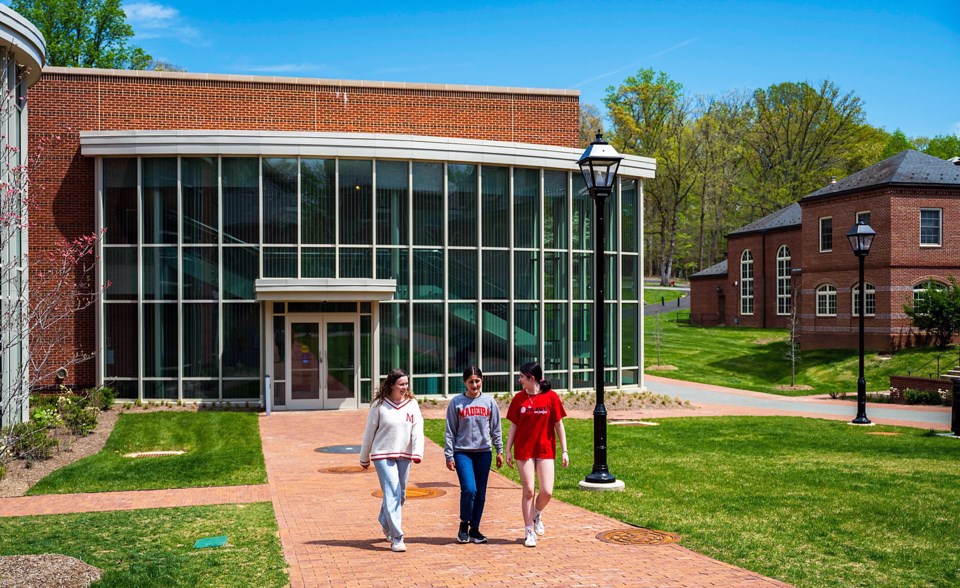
535	418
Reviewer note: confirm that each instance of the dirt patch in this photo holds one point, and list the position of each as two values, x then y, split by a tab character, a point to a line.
793	388
660	368
50	570
769	340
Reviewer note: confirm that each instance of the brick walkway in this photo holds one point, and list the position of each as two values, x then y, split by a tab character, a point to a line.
331	536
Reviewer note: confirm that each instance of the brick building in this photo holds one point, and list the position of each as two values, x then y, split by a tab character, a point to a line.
317	233
802	250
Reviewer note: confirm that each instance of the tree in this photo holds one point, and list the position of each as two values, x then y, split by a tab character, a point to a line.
42	288
161	65
84	33
936	312
896	143
799	137
591	123
944	146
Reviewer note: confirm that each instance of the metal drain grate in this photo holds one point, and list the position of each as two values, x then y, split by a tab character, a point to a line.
415	493
638	537
885	434
153	454
343	470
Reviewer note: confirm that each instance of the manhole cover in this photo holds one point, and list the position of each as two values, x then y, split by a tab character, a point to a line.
885	434
414	493
342	470
339	449
638	537
153	453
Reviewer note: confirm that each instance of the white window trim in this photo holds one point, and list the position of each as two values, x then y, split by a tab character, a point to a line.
824	291
787	278
820	234
868	289
939	242
856	217
745	281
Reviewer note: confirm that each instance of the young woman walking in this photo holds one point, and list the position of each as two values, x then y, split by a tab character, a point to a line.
392	439
473	429
536	422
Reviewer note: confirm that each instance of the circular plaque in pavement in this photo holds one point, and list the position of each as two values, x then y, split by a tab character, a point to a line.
638	537
414	493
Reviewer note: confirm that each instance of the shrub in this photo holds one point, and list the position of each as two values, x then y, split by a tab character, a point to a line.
912	396
31	442
77	417
47	417
3	471
101	398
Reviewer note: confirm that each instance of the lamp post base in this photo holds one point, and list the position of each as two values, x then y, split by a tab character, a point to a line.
863	422
615	486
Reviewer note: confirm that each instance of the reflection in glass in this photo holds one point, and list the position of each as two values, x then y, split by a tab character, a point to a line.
121	340
279	200
555	337
279	262
201	354
393	196
356	202
394	337
495	202
305	361
241	340
356	262
427	203
555	222
392	265
526	332
427	274
341	360
462	276
160	340
526	207
241	199
241	267
462	199
200	273
318	200
120	200
198	179
160	200
526	284
159	273
496	274
555	275
462	346
319	262
120	270
428	349
495	340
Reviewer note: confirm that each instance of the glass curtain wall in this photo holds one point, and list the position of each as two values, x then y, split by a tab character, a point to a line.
493	264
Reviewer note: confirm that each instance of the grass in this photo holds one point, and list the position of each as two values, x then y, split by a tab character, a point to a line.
654	296
222	449
155	547
814	503
754	359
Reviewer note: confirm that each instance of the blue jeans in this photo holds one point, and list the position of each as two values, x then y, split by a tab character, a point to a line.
393	475
473	469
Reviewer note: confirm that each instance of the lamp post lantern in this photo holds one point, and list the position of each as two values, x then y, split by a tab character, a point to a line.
861	238
599	164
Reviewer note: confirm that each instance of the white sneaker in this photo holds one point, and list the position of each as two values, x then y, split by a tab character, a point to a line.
397	545
531	539
538	525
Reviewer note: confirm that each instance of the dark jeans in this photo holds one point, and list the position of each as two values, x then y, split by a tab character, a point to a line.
473	469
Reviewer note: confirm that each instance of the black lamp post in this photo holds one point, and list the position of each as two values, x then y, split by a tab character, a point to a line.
599	164
861	237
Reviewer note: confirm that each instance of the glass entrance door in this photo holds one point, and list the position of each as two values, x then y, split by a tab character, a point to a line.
322	363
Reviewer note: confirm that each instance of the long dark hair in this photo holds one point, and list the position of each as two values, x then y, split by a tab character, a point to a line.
472	371
533	370
387	386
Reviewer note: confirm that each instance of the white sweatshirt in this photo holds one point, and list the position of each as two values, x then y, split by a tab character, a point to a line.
394	431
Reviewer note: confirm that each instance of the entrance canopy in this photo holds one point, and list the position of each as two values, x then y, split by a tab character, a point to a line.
326	289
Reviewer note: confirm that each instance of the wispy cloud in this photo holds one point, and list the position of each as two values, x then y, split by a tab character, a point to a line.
631	67
157	21
956	128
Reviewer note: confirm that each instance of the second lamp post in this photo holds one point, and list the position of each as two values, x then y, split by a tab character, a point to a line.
861	237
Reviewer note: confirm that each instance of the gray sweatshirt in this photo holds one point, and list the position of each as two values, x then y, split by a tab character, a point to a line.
472	425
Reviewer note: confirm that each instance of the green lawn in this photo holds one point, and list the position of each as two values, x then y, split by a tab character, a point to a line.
654	296
814	503
222	449
154	547
754	359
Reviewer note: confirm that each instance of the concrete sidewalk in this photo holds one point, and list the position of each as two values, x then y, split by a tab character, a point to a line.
330	535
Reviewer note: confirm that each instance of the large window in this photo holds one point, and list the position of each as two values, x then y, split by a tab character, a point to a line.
494	266
784	285
930	227
871	299
746	282
826	300
826	234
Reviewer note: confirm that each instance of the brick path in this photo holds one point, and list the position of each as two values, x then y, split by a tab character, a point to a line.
331	537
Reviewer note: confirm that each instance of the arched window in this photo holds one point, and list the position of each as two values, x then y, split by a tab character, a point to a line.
871	299
746	282
826	300
784	287
920	289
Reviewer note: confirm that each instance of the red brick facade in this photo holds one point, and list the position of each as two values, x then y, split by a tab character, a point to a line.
65	102
895	265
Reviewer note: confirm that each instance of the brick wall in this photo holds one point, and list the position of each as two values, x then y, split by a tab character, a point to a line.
64	102
763	247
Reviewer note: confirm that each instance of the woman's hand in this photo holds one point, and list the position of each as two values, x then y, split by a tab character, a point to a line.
565	459
365	466
451	465
510	459
499	460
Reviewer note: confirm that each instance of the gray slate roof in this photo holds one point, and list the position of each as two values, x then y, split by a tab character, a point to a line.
719	269
907	167
785	217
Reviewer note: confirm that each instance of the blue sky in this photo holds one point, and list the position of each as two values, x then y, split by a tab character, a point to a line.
901	58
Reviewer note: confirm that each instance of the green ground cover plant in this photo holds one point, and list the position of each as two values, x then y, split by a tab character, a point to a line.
222	449
812	502
653	296
755	359
154	547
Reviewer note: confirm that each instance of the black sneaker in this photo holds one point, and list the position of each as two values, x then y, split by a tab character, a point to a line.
462	535
477	537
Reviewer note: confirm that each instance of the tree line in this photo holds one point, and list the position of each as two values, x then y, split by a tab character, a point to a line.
725	161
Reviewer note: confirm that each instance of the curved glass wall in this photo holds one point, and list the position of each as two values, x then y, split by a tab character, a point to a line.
493	265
